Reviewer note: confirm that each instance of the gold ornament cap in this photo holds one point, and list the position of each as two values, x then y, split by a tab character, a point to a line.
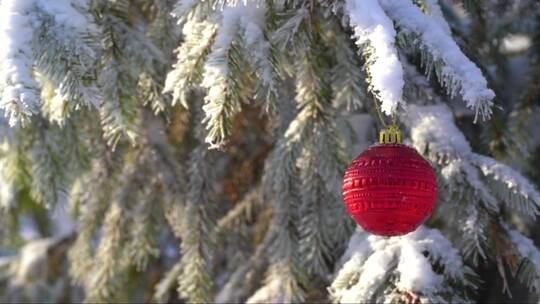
390	135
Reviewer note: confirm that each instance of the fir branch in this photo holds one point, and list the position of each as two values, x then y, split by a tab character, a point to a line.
226	77
222	78
372	262
374	32
102	284
108	260
122	43
315	245
49	169
66	55
294	31
8	167
242	211
91	206
454	70
530	255
186	73
141	245
20	97
509	185
283	279
260	51
234	290
196	283
118	110
347	80
163	287
320	167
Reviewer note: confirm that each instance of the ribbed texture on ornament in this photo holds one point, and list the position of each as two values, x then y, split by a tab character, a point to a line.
390	189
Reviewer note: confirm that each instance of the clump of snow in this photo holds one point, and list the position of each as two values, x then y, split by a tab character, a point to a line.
359	244
253	24
515	43
434	132
375	269
218	104
434	126
372	27
347	275
216	69
415	270
433	9
371	260
32	262
7	191
439	249
19	95
372	274
247	17
65	13
18	21
459	74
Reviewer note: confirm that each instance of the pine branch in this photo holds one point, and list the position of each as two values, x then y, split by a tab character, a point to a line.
386	268
509	186
66	55
242	212
122	44
141	245
225	78
162	289
293	31
20	92
347	80
283	279
234	290
50	162
196	283
108	264
454	70
530	269
374	33
90	207
186	74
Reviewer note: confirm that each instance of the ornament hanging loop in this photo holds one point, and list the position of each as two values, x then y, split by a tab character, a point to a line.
390	135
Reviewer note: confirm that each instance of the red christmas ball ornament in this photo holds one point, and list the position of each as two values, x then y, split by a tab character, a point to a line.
390	189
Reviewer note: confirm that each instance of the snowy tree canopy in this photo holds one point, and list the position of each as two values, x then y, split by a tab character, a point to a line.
184	150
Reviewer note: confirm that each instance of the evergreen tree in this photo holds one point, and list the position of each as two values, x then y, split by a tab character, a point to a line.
199	147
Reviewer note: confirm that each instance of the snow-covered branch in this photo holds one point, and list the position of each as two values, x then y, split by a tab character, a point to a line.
374	32
198	37
468	175
378	268
454	70
53	38
530	273
20	92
